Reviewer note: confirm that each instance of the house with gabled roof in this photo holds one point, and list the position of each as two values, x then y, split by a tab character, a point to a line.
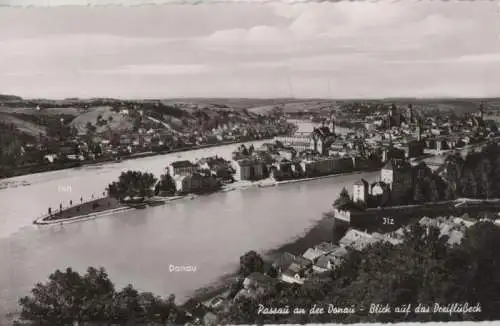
294	274
357	240
286	259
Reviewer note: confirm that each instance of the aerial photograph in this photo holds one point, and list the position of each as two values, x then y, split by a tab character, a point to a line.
242	164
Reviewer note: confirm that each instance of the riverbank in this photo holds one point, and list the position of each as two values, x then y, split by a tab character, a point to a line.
105	208
41	168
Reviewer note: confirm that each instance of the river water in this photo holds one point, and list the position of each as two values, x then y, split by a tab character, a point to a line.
209	232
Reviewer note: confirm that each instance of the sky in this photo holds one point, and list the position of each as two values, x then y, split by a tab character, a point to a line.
322	50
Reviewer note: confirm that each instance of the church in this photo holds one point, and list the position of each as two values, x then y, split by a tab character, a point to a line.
318	141
322	137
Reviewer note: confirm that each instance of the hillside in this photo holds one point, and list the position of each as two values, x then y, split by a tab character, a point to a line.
26	127
113	120
6	97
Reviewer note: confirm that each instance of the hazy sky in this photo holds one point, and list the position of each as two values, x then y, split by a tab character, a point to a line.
344	49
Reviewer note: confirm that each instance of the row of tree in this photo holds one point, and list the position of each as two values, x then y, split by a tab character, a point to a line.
142	185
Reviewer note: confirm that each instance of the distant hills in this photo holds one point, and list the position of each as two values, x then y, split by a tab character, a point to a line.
5	97
183	113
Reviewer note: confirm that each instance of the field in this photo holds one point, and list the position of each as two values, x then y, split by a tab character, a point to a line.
46	111
23	126
118	122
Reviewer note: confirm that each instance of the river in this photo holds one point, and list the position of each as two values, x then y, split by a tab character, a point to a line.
210	232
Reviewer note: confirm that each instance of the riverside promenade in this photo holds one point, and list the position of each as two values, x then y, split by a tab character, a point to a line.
96	207
73	211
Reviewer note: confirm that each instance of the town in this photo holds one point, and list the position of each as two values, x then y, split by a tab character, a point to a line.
41	135
416	158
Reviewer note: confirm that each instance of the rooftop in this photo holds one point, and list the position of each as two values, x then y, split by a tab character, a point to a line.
182	164
261	279
361	182
326	247
395	164
286	259
323	262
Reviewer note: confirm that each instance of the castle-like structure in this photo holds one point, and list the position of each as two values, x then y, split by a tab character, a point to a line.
396	183
323	137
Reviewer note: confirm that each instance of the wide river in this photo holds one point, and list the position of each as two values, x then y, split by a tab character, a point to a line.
210	232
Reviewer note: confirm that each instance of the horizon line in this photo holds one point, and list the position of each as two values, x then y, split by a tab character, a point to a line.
70	98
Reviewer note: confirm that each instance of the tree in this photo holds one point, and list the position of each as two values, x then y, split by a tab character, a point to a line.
90	128
272	272
251	262
450	192
423	269
418	192
69	297
342	198
132	184
483	173
166	184
469	184
244	151
433	193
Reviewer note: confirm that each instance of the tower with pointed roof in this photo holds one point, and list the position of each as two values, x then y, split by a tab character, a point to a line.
331	124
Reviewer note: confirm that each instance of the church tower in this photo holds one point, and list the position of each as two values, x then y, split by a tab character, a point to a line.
331	125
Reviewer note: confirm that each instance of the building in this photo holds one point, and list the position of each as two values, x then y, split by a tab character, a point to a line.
409	116
327	247
356	240
313	253
294	274
257	284
360	191
323	264
182	183
324	166
415	148
217	166
398	175
390	153
331	260
379	193
300	141
283	262
182	168
321	139
287	154
251	169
